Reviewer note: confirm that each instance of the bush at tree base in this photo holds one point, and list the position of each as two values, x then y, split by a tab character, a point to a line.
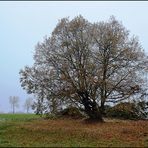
71	112
127	110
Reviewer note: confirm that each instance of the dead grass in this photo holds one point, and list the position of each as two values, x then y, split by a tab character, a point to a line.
76	133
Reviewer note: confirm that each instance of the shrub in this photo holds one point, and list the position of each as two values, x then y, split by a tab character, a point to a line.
128	110
72	112
50	116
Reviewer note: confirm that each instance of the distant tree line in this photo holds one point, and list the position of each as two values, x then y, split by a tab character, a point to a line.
14	102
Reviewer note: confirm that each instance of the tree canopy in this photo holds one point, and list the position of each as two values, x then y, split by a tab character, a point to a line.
88	64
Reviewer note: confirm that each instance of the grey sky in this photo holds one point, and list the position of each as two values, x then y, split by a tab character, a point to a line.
23	24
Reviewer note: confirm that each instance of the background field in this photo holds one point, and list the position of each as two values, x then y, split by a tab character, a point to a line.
17	117
22	130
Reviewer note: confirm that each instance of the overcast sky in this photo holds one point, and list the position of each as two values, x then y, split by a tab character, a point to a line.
23	24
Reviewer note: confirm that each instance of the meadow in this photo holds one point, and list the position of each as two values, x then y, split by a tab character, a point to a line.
29	130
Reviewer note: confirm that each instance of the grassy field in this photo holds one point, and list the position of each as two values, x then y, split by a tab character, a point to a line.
18	117
32	131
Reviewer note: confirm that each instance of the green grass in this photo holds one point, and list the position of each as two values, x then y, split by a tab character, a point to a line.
19	117
18	131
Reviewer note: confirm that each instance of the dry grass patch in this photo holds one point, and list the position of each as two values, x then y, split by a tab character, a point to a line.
75	133
132	132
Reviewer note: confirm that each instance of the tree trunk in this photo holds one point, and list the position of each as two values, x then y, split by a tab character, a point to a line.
54	106
13	108
93	112
27	110
91	108
102	108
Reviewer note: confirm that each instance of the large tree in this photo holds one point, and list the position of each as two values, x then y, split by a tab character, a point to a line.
89	64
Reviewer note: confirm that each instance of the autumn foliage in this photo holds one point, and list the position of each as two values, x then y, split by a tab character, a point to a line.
87	64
